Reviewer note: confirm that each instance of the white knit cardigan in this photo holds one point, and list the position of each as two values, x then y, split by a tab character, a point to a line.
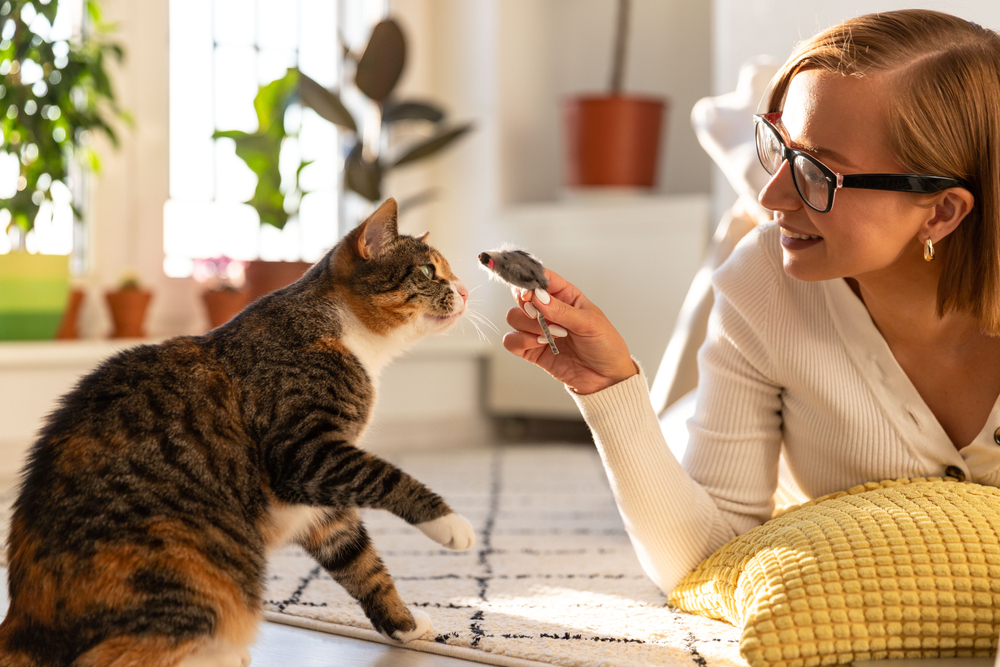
786	364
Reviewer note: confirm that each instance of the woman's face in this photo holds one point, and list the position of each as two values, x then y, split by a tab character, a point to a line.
839	120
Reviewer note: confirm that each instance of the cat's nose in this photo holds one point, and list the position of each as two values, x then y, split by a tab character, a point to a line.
462	290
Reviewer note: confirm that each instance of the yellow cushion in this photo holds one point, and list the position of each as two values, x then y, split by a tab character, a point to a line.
896	569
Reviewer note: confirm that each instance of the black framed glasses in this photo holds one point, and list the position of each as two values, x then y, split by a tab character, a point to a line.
816	183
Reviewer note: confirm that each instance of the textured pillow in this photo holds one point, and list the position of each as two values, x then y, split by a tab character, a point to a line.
896	569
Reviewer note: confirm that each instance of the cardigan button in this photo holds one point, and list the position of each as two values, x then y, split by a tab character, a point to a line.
956	472
996	436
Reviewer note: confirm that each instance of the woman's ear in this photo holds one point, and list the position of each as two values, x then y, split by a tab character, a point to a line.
950	208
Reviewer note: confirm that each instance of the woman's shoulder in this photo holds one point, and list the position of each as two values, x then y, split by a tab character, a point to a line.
755	264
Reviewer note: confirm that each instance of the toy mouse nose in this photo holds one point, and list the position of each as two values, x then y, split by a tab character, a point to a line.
484	258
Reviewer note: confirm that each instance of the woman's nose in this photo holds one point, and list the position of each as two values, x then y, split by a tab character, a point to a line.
780	194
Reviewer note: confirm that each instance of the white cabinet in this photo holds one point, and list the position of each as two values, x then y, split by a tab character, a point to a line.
633	256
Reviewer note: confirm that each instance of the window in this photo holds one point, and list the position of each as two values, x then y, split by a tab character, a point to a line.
221	51
56	231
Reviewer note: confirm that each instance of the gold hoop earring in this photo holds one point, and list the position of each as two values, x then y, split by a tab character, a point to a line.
928	250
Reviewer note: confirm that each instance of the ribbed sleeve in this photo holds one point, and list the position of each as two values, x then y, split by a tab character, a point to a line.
673	522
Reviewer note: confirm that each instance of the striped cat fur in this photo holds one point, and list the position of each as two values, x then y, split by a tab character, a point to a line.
158	486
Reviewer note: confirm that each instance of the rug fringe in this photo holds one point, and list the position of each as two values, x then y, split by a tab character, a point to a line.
365	634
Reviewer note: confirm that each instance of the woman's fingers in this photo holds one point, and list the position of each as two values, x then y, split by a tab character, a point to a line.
518	320
576	320
521	343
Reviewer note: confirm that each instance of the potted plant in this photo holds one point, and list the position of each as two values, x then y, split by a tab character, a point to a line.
222	297
376	72
613	139
128	303
54	94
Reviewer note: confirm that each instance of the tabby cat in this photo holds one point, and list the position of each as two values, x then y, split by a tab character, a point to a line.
157	488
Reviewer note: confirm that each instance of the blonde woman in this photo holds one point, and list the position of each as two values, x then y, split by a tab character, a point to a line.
858	333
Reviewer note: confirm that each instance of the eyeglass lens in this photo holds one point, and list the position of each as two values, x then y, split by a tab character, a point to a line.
810	181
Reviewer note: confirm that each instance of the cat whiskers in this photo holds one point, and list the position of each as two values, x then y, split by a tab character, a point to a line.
477	318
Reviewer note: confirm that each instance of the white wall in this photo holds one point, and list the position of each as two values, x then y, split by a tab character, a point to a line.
125	226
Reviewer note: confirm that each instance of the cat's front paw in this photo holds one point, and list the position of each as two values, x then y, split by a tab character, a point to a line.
424	626
451	530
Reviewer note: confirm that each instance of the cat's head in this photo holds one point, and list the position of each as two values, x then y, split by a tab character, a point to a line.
394	283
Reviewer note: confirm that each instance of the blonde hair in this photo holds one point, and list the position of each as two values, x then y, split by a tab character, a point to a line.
944	119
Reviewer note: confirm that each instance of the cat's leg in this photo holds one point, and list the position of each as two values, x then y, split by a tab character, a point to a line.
342	546
338	474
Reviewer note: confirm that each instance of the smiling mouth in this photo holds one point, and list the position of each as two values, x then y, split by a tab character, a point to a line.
794	235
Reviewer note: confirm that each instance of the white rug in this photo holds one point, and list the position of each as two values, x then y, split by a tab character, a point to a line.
552	579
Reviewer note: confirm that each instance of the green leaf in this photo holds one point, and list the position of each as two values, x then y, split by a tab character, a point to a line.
326	103
382	62
272	100
432	145
411	111
363	177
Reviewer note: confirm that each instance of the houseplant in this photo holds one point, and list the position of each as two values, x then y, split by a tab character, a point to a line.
613	139
54	94
222	297
128	304
377	70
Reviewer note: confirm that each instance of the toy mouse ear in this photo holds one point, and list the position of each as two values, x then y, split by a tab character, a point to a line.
379	230
423	237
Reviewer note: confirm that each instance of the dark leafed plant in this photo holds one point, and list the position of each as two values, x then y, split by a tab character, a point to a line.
376	73
52	94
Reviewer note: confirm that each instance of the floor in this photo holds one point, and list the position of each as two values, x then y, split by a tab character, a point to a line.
282	645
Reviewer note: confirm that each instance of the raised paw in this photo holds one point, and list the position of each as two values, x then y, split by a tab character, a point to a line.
424	626
451	530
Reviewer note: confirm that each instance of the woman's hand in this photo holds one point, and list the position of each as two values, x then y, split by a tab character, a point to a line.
593	356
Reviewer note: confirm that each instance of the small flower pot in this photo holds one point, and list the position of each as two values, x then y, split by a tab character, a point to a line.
263	277
128	312
222	305
612	141
68	329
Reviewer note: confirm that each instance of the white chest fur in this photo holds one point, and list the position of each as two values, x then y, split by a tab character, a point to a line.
373	350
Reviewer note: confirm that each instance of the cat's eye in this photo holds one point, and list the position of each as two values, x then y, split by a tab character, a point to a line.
428	270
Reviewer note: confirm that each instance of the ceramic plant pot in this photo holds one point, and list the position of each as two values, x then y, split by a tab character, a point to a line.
264	277
68	325
128	312
33	293
222	305
612	141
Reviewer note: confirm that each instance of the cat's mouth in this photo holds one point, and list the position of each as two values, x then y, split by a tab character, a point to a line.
445	319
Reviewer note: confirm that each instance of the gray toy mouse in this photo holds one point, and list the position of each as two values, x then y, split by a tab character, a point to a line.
520	269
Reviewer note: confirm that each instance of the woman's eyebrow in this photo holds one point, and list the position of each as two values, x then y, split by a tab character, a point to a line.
819	153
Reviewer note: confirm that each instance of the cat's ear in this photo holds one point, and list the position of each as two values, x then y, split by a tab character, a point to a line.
379	230
423	237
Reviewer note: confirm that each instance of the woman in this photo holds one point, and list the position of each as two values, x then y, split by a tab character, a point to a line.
859	332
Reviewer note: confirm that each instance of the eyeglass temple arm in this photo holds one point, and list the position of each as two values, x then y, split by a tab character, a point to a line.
896	182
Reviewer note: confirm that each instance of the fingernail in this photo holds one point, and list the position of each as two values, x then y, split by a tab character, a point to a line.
543	296
543	340
530	310
557	331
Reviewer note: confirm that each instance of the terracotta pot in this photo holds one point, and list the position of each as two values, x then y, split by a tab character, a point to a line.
263	277
68	325
613	140
128	312
222	305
